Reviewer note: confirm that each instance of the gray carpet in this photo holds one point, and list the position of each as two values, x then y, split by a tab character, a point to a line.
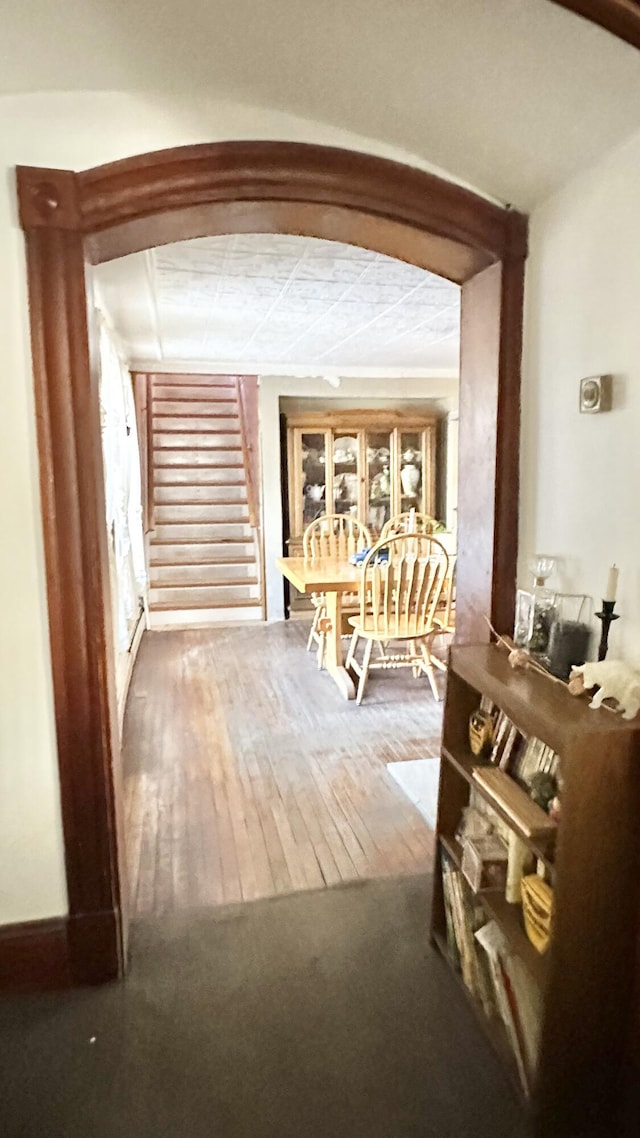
318	1015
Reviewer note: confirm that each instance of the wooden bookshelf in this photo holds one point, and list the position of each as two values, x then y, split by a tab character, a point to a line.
583	982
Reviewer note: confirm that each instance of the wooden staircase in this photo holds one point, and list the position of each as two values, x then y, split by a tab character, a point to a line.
203	547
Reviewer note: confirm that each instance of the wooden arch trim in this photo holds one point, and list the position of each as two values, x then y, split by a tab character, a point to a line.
620	17
176	194
71	219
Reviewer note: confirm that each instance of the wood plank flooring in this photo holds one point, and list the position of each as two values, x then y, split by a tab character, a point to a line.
247	775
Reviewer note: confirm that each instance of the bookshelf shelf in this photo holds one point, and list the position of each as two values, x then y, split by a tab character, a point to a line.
465	765
562	1017
509	918
453	848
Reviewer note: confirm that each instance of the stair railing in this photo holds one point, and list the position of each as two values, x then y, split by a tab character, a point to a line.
251	459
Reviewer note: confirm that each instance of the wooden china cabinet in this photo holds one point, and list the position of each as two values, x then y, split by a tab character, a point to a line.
369	463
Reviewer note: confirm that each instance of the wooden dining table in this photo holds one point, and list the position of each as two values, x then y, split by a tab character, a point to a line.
334	578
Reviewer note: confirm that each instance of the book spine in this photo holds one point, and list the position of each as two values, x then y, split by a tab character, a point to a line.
452	941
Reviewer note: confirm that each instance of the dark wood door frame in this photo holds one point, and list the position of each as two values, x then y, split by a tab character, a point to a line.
620	17
71	219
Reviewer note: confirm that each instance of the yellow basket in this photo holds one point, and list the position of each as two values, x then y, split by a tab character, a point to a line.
537	908
480	732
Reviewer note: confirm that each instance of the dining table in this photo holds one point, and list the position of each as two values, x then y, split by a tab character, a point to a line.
333	578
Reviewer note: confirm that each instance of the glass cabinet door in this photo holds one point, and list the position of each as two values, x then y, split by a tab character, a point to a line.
378	480
313	477
345	473
410	462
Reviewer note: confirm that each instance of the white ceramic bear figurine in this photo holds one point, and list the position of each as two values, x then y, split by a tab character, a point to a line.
616	680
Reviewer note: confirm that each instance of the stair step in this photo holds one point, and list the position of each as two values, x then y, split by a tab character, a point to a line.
185	456
210	611
201	532
222	542
240	551
204	596
191	482
177	440
193	391
191	559
180	475
223	493
190	424
194	406
192	379
202	512
195	576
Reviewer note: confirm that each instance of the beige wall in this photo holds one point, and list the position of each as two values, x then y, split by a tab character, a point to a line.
581	473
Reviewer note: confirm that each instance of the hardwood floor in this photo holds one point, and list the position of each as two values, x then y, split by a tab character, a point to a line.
247	775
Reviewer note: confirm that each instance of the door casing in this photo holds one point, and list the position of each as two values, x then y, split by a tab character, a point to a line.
71	220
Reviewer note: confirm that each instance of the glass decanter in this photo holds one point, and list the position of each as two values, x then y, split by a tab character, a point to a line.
544	608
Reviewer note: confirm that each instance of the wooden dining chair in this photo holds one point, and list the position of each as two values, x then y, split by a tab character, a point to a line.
409	521
334	536
398	603
445	618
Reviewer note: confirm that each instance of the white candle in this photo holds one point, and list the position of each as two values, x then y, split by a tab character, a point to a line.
612	584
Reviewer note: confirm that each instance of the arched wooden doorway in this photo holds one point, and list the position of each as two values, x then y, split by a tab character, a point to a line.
71	219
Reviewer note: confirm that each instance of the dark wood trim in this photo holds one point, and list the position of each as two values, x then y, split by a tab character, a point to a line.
73	511
34	956
95	945
620	17
70	218
151	185
60	953
507	475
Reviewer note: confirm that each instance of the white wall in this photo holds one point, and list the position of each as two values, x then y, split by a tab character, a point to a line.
271	390
581	473
69	131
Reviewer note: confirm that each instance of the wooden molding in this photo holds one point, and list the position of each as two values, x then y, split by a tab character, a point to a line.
150	185
34	956
48	199
95	947
60	953
73	512
620	17
174	195
372	417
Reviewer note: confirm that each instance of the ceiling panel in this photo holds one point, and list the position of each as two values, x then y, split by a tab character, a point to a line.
281	300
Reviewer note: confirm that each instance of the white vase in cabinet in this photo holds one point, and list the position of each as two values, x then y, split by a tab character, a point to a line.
410	479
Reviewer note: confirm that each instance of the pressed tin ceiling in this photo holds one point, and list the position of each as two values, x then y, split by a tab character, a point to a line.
260	300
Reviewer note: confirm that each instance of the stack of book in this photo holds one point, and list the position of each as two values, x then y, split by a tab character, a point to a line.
493	974
519	756
464	915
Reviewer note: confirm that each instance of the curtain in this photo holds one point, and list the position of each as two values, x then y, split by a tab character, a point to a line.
123	496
